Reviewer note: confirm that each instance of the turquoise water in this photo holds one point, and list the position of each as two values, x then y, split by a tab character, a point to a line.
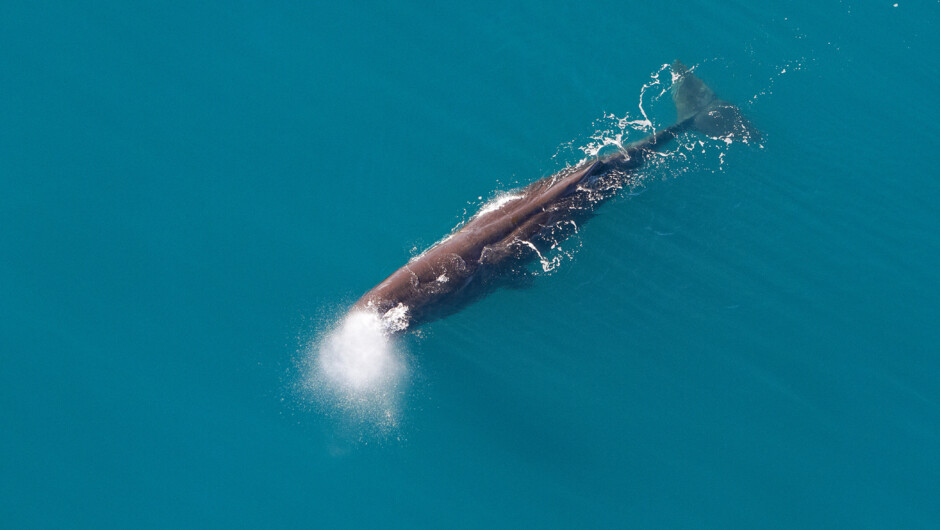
193	194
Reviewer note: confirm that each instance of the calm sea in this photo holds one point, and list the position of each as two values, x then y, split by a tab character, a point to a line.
193	193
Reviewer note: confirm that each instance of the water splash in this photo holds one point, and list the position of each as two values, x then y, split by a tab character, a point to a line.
357	372
497	202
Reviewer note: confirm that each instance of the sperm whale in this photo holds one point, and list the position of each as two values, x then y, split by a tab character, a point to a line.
514	227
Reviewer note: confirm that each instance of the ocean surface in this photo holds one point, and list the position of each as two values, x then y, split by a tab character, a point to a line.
193	194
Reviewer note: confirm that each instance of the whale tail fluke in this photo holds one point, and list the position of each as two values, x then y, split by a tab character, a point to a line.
710	115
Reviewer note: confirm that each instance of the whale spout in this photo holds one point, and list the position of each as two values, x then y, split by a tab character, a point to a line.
697	103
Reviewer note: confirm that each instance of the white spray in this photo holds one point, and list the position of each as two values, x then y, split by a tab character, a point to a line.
357	370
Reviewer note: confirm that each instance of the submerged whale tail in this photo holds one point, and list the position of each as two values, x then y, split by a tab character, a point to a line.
708	114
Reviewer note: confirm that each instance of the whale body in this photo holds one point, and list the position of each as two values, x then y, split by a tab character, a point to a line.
517	225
